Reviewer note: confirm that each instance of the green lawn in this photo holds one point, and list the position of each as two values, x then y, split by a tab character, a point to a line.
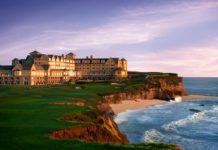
27	116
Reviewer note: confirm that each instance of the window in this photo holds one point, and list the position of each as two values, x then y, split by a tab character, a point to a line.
26	82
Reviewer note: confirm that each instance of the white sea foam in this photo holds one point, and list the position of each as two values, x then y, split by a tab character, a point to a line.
178	99
215	108
213	116
180	123
144	118
120	120
190	119
152	135
123	117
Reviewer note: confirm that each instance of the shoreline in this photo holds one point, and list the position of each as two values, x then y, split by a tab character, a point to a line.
140	104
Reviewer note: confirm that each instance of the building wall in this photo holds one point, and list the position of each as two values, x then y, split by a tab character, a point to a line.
39	69
63	63
99	68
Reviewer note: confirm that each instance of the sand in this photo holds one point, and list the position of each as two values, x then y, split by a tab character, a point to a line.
196	97
139	104
135	104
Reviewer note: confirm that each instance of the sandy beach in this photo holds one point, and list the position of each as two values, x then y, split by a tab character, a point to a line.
196	97
134	104
138	104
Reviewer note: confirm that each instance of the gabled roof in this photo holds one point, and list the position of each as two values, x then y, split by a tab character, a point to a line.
41	67
22	67
116	60
27	66
15	59
70	54
35	53
21	61
18	67
80	60
55	56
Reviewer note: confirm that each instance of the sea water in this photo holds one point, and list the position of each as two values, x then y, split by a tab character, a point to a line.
175	122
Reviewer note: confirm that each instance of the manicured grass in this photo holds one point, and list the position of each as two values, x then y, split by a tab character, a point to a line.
27	116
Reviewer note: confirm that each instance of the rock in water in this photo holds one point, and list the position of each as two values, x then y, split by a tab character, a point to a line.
194	110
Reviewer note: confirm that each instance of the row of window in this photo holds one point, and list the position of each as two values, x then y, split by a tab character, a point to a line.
99	66
7	82
62	60
90	62
12	78
96	69
54	60
49	78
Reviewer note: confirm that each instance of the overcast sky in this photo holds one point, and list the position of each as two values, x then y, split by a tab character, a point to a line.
153	35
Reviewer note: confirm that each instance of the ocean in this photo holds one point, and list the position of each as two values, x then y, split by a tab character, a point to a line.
175	122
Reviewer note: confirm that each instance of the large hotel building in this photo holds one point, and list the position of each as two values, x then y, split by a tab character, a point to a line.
38	69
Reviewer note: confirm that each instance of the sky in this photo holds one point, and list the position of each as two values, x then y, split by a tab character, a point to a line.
153	35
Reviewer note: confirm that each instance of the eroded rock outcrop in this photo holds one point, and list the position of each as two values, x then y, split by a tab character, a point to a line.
104	131
101	126
157	88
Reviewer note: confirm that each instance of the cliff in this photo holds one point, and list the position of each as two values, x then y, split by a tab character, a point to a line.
103	130
100	126
163	87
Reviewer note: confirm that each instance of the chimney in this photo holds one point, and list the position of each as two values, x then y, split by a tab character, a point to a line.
87	57
91	56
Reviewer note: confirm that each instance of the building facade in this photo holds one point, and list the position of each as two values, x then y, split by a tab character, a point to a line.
38	69
102	68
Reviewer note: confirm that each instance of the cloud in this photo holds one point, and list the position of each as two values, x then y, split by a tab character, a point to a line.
192	61
139	25
172	7
131	26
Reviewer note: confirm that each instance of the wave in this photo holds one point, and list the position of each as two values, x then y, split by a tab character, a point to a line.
120	120
155	135
196	117
185	143
144	118
152	135
123	116
215	108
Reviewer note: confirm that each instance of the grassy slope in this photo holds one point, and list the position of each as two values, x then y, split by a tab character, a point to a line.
27	117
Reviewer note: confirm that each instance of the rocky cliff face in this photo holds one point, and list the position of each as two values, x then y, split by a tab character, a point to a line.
102	128
104	131
164	88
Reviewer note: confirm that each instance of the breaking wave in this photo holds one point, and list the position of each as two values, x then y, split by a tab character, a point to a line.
123	116
190	119
152	135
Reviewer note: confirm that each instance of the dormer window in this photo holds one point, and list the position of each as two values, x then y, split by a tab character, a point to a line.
17	73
